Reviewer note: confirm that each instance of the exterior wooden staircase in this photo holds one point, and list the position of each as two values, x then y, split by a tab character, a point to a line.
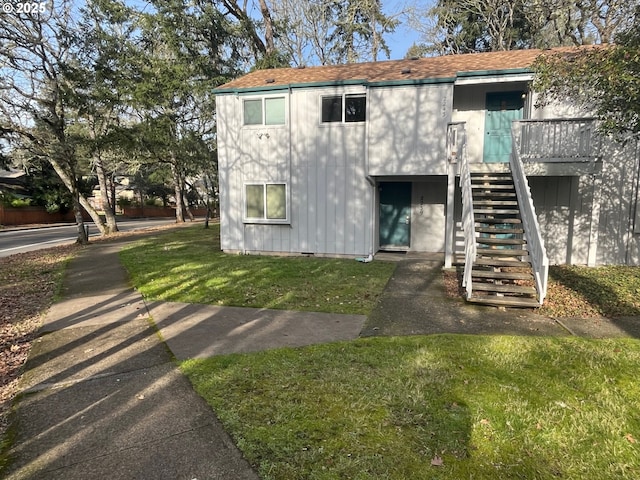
502	273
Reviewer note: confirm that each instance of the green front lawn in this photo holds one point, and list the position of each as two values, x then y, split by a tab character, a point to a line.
186	265
431	407
438	407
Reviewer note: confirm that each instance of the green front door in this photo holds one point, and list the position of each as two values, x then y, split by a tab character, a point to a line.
502	109
395	214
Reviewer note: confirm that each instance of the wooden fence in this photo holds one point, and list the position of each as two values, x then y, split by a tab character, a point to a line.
31	215
10	216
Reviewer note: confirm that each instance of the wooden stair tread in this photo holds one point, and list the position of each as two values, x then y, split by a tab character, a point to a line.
502	252
500	262
524	302
496	177
482	219
501	275
496	195
500	241
499	203
493	187
505	288
497	211
498	230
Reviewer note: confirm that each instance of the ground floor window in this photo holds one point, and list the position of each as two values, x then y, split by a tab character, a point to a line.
265	202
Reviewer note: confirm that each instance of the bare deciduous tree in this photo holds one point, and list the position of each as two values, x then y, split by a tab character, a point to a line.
461	26
35	49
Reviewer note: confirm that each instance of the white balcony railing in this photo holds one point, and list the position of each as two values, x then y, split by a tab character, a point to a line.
556	140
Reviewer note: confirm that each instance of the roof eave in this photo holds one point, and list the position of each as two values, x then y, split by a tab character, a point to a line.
333	83
460	78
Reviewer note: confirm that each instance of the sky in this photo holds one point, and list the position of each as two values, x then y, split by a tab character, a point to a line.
404	36
400	41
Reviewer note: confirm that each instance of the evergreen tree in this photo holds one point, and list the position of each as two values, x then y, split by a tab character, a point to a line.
604	79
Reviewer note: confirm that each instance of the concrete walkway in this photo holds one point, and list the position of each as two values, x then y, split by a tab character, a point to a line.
104	398
414	302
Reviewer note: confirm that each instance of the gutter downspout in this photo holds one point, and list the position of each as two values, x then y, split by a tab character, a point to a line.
370	181
242	192
634	214
290	181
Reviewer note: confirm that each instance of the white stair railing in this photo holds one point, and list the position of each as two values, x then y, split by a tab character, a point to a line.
468	216
535	243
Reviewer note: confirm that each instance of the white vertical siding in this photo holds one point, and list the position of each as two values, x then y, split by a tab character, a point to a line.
408	129
229	171
565	208
324	166
333	207
563	217
617	242
428	203
555	110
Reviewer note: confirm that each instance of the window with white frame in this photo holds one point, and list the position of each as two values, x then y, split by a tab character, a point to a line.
264	111
347	108
265	202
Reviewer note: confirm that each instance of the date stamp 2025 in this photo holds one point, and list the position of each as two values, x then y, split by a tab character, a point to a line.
19	8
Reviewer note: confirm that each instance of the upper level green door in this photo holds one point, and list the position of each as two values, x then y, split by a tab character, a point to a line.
502	109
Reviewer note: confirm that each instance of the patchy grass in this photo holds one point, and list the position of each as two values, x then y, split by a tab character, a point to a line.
609	291
29	283
187	265
438	407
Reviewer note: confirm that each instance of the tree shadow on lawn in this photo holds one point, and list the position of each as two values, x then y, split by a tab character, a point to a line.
611	291
581	293
180	270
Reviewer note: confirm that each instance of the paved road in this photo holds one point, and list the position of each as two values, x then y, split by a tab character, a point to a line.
18	241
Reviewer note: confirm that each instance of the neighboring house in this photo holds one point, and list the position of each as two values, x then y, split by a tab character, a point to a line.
12	183
122	189
400	155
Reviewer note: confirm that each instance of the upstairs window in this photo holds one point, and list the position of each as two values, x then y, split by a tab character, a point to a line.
344	108
264	111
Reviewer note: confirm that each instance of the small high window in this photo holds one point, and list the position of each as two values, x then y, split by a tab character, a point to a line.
344	108
266	202
264	111
355	108
332	109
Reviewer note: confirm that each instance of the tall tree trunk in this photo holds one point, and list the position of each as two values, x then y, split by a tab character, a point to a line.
93	214
83	238
187	207
112	225
207	201
268	28
177	181
71	184
112	190
109	213
256	43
